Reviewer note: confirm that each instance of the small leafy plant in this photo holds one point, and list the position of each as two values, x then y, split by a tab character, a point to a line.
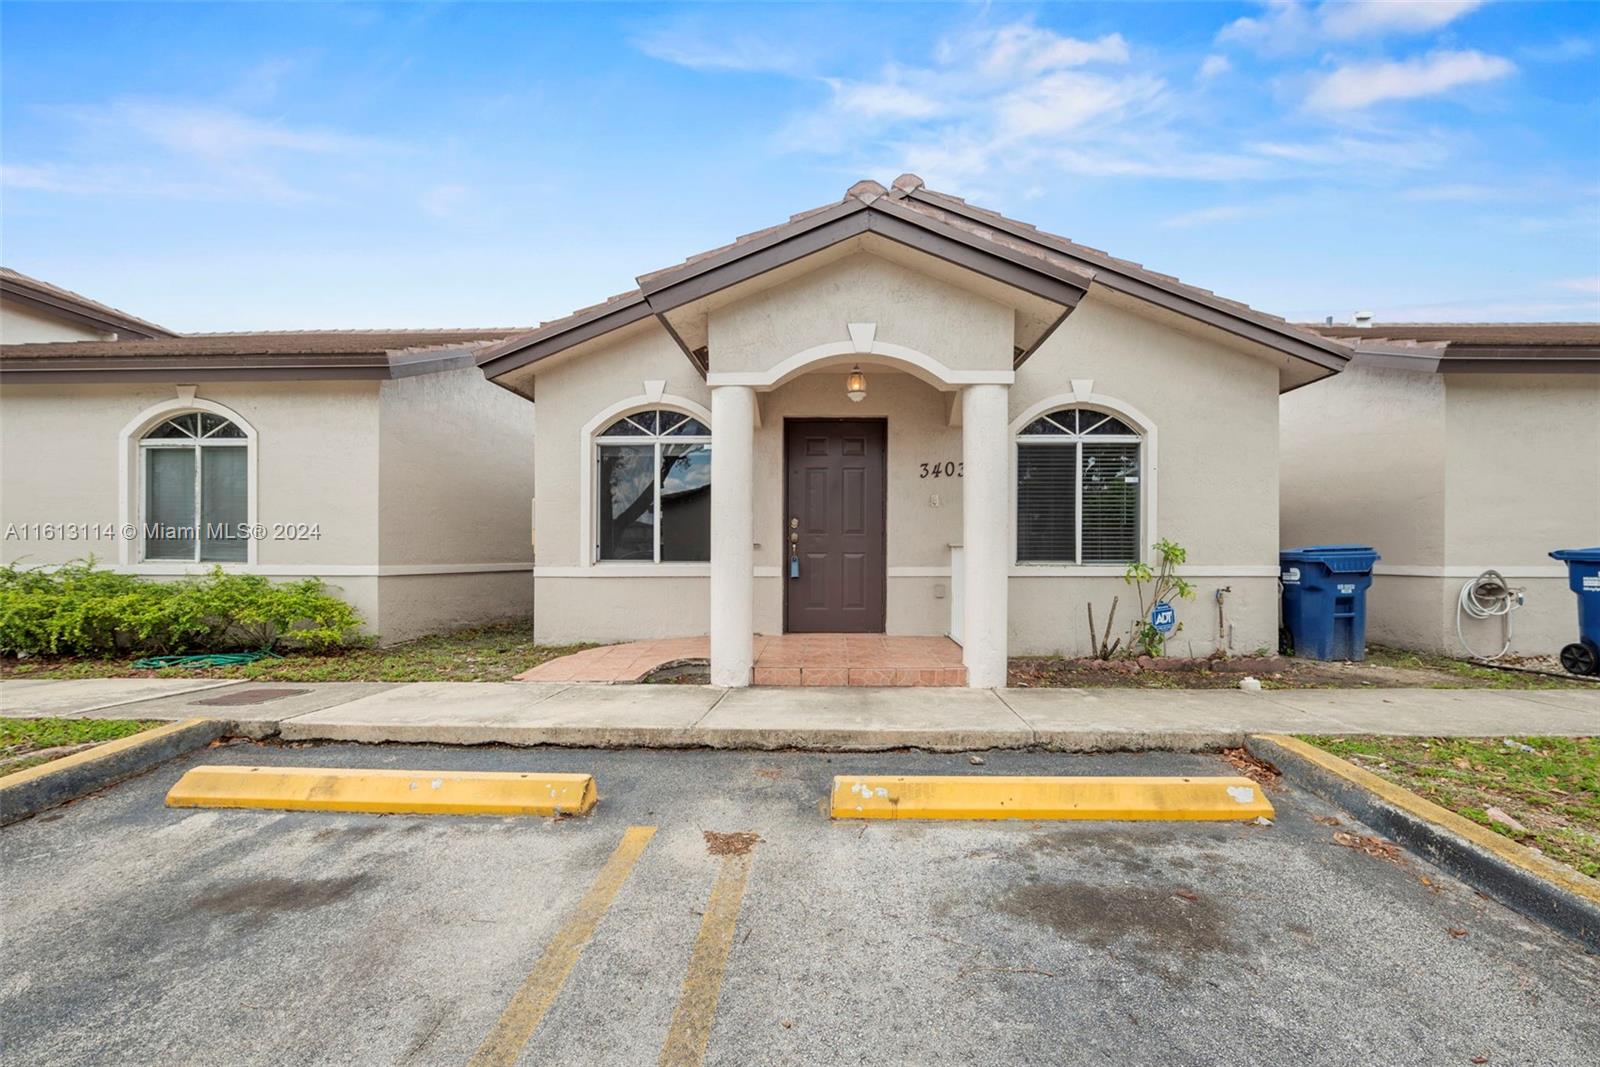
81	610
1155	586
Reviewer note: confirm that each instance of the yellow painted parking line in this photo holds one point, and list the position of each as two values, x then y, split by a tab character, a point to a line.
384	791
538	991
1006	797
697	1004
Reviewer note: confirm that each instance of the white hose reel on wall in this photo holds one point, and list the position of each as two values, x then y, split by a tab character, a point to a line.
1488	596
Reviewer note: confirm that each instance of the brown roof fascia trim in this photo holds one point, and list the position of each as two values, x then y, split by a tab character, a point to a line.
76	314
231	368
714	276
1477	363
514	352
1111	276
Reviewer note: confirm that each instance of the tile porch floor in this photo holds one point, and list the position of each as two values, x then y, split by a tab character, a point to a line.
789	659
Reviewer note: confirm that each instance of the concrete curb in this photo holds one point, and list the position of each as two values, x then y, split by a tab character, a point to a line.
40	788
1518	877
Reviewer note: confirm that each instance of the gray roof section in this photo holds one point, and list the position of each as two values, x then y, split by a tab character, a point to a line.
75	307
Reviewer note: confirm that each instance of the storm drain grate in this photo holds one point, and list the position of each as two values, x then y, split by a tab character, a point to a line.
249	696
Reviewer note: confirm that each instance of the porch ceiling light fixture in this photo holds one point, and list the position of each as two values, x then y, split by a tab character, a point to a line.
855	385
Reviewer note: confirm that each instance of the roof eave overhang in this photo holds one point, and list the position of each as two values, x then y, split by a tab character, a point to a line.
1452	358
238	368
664	292
1291	342
79	315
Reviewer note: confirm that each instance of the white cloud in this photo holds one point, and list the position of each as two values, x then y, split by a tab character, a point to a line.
1564	50
186	151
1069	100
1289	26
1214	66
1583	285
1360	85
696	44
1206	216
1361	18
882	100
1022	49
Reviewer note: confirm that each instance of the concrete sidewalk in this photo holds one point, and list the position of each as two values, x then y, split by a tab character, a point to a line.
843	719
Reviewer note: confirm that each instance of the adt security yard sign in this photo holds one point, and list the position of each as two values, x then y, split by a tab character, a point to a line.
1163	618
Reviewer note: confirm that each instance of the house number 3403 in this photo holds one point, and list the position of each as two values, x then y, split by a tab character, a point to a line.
950	468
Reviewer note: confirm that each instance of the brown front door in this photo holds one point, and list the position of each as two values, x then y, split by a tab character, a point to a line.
834	570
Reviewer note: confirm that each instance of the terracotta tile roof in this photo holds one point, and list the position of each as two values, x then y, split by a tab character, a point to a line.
908	194
275	343
14	282
1466	334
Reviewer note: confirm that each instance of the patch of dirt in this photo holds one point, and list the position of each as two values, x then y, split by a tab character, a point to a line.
735	844
1152	925
260	899
1372	846
689	672
1257	770
771	774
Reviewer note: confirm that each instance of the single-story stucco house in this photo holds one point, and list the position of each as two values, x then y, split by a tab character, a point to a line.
897	413
1454	449
343	452
915	416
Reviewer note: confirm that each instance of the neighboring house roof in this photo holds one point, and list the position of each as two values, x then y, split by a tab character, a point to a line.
1475	347
62	303
298	355
1004	249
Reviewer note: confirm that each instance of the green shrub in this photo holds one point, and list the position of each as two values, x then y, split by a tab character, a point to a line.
80	610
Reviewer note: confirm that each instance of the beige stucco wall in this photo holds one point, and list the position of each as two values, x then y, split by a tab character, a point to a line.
1214	408
1363	463
1214	405
22	326
455	471
959	329
318	449
316	462
1447	476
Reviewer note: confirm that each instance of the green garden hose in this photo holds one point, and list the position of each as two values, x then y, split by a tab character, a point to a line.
209	659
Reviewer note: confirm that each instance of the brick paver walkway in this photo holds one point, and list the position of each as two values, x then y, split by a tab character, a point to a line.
790	659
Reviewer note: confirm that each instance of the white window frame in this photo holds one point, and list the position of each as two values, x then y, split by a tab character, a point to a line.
1083	398
131	448
595	493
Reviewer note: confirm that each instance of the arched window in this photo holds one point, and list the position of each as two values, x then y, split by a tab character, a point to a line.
195	472
1078	474
654	488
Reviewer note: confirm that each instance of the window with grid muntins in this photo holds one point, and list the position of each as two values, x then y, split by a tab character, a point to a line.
1078	489
654	486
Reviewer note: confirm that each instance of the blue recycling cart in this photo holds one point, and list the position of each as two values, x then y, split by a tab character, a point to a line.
1583	578
1325	599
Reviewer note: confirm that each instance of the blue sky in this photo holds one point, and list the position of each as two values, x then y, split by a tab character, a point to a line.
270	167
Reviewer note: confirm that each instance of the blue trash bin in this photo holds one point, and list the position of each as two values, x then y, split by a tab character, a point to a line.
1583	578
1325	599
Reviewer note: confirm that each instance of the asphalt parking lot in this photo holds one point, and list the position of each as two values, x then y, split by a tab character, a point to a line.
137	934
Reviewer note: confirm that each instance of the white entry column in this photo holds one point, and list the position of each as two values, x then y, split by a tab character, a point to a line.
733	419
985	532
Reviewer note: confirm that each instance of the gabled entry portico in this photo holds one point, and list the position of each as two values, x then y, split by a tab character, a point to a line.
974	401
1019	380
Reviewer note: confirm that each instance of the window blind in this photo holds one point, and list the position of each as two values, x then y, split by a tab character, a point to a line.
1047	522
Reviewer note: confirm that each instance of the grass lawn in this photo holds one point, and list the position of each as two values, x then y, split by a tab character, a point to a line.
483	654
1553	792
21	738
